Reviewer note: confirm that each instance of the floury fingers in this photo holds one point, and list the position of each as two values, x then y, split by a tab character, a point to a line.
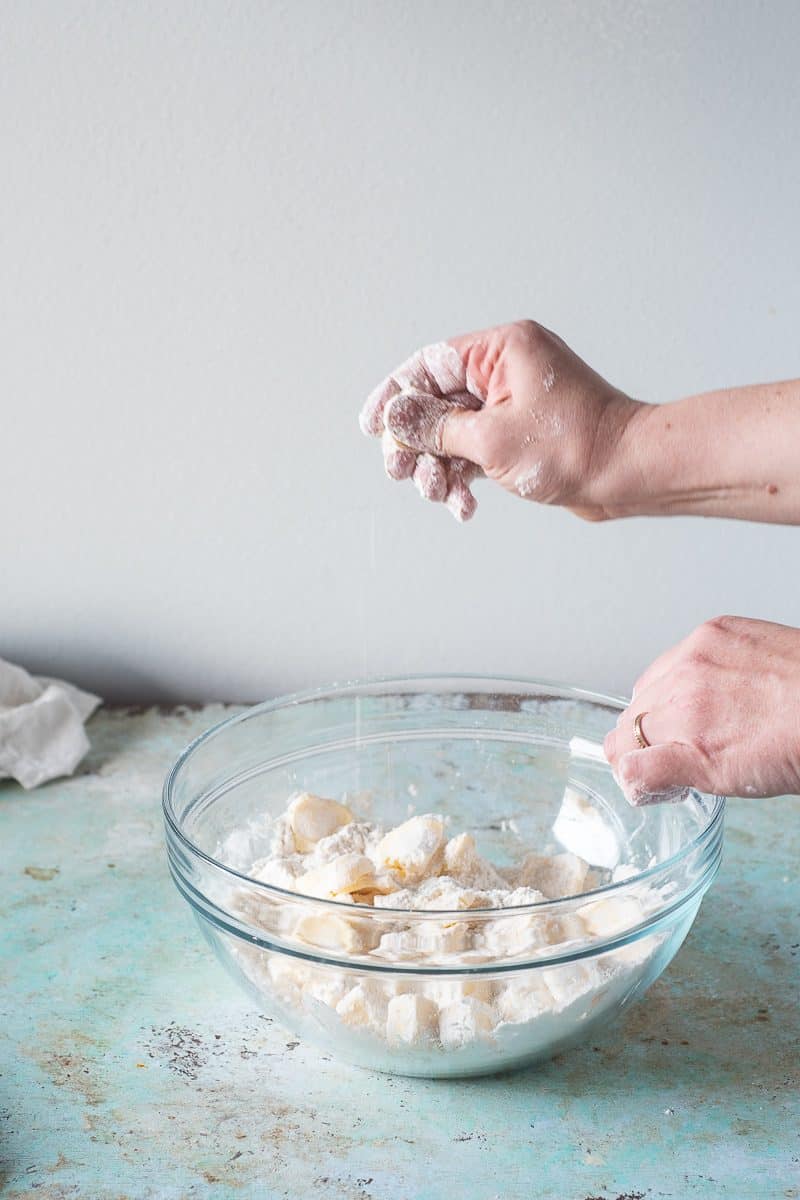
409	410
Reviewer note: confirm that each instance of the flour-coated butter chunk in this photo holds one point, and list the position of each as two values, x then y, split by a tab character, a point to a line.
524	999
399	898
425	941
364	1007
343	875
634	954
411	1019
520	897
329	931
261	910
465	1021
449	991
358	837
394	985
314	817
282	843
326	987
465	865
556	877
571	928
513	936
279	872
296	982
412	850
611	915
438	893
567	982
289	977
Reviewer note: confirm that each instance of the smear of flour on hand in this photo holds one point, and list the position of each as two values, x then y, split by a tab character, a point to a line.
548	379
528	484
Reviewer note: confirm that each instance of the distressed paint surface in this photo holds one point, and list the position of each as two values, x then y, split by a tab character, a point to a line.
131	1067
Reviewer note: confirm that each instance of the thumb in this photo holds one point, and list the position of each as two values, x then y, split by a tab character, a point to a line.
449	428
659	773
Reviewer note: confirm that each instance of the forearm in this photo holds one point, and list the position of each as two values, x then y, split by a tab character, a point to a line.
733	453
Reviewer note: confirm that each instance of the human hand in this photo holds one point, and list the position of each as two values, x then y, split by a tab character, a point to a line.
513	403
436	377
721	713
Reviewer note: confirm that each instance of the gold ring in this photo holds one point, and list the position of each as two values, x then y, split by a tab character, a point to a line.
638	732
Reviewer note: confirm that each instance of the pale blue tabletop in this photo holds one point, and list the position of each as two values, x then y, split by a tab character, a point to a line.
131	1067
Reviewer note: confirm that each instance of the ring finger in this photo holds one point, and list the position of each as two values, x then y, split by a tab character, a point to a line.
648	716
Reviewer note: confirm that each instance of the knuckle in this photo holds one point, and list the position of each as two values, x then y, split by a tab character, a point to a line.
721	625
696	661
704	638
700	636
528	334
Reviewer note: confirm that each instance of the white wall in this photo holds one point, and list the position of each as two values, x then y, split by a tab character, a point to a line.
220	224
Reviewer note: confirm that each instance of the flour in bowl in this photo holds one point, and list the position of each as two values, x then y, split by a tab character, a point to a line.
319	849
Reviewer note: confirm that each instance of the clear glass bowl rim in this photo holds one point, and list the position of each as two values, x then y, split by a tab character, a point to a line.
334	690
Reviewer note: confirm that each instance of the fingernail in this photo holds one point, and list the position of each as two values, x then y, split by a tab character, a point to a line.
403	417
416	419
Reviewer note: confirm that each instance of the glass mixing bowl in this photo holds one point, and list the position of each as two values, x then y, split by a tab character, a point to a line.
517	763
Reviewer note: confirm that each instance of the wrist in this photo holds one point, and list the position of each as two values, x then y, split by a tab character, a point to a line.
618	471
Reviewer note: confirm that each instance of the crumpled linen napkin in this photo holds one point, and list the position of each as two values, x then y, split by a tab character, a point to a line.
41	726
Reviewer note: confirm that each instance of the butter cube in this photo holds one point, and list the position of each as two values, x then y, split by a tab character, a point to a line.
341	876
364	1007
556	877
569	981
328	931
450	991
411	1019
465	1021
465	865
414	849
313	817
611	915
427	941
523	1000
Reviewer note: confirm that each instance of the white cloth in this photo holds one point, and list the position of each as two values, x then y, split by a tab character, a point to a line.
41	726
